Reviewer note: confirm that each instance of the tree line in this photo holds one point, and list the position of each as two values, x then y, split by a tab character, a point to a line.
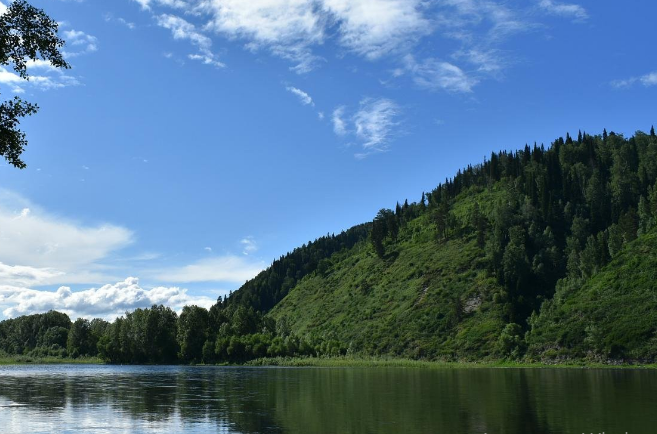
158	335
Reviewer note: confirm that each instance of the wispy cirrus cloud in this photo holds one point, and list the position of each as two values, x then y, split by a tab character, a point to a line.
174	4
110	18
374	122
369	29
304	98
184	30
249	245
434	74
568	10
646	80
372	125
291	29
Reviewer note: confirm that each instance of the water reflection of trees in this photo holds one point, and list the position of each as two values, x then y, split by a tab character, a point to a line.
353	400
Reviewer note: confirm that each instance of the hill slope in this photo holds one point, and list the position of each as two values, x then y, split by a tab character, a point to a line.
424	298
611	315
537	253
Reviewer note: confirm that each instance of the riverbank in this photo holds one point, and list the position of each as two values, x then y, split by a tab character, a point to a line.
350	362
28	360
354	362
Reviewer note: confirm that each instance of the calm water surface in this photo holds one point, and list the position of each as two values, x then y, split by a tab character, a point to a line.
69	398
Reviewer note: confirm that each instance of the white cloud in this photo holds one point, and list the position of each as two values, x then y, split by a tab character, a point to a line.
207	59
434	74
175	4
372	124
41	82
288	28
47	77
24	275
303	96
108	301
647	80
81	41
487	61
184	30
374	121
467	20
236	269
375	28
574	11
249	245
57	250
339	124
291	29
109	18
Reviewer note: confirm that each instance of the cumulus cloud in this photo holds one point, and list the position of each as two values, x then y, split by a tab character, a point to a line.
235	269
30	237
574	11
184	30
108	301
82	42
55	80
646	80
304	98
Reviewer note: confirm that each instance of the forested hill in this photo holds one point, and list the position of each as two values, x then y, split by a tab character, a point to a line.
272	285
540	253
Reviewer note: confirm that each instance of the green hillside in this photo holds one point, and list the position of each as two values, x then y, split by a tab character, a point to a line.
424	298
535	254
612	315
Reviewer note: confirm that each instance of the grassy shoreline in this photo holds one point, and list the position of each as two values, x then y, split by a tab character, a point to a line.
355	362
348	362
27	360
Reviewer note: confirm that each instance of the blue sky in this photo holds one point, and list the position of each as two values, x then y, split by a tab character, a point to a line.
194	141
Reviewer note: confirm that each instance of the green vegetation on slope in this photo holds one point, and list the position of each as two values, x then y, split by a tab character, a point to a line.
613	315
422	299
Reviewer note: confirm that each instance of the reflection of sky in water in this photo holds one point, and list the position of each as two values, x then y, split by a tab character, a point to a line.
115	399
102	419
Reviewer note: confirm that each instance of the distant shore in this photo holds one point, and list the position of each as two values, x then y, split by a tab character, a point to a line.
28	360
353	362
408	363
